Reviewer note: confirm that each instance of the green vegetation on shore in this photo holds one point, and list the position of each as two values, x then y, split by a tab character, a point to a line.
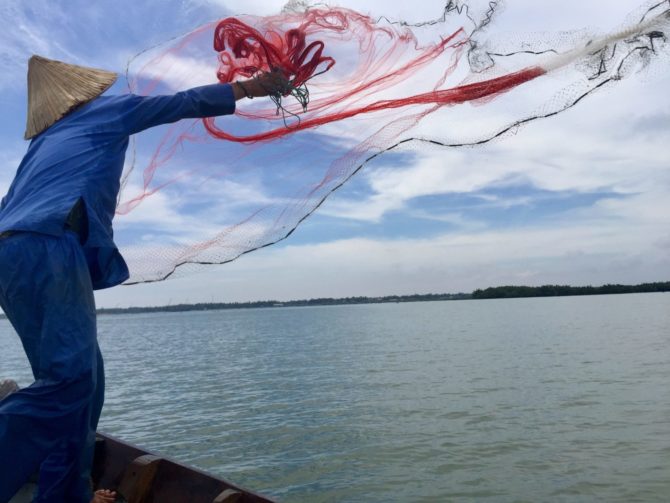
509	292
290	303
500	292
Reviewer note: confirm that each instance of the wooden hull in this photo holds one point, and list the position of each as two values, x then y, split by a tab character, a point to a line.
142	477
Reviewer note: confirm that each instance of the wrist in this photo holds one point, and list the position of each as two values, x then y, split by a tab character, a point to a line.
241	90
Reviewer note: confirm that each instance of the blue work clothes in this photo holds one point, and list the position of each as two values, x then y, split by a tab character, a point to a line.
46	292
81	156
48	274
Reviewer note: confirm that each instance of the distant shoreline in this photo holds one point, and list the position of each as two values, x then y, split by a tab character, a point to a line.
290	303
515	292
500	292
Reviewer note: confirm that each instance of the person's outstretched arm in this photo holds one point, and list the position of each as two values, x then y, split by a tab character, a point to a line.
143	112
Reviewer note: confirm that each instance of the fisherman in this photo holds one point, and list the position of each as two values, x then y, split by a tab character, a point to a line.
56	247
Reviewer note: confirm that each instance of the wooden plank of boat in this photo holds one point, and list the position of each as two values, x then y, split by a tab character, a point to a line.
143	477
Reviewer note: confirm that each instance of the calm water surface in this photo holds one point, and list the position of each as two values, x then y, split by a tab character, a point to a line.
551	399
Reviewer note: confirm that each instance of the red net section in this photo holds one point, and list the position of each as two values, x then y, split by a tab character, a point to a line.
244	51
207	192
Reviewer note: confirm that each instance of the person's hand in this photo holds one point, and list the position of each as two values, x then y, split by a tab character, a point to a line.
104	496
265	84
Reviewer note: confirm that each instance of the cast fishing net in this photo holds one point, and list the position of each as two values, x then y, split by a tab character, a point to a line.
363	90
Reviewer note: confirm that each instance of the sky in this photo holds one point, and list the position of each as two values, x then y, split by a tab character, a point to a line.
581	198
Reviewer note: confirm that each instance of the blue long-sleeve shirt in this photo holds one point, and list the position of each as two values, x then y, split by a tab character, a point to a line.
81	156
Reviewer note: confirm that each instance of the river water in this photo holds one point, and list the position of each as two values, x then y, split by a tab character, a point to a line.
544	399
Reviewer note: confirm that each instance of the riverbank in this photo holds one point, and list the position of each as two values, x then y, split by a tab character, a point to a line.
502	292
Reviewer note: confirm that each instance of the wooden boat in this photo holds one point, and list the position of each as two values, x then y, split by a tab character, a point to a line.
139	476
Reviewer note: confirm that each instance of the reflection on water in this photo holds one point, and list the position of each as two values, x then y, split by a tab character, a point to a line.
561	399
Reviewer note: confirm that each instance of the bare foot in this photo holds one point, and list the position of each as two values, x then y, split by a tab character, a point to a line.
104	496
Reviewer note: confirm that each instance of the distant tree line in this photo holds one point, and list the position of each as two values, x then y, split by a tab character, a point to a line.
327	301
508	292
500	292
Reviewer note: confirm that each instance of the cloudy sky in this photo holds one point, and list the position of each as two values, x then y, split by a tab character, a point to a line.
581	198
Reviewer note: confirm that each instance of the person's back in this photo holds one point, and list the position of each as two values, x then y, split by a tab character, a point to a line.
79	157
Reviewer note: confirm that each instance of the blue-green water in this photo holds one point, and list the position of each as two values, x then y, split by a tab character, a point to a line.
552	399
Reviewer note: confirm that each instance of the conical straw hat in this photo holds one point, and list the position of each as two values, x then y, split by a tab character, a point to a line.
55	88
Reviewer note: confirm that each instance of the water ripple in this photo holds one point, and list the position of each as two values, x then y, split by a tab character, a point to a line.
513	400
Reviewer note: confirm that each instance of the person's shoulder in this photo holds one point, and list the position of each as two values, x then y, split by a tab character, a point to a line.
110	105
113	100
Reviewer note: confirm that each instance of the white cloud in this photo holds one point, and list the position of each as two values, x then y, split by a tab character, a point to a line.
257	7
417	11
162	218
23	33
179	72
614	242
614	141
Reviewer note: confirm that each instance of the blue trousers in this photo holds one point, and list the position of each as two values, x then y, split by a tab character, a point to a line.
46	293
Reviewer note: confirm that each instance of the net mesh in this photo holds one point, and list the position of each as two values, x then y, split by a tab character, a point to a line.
208	191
